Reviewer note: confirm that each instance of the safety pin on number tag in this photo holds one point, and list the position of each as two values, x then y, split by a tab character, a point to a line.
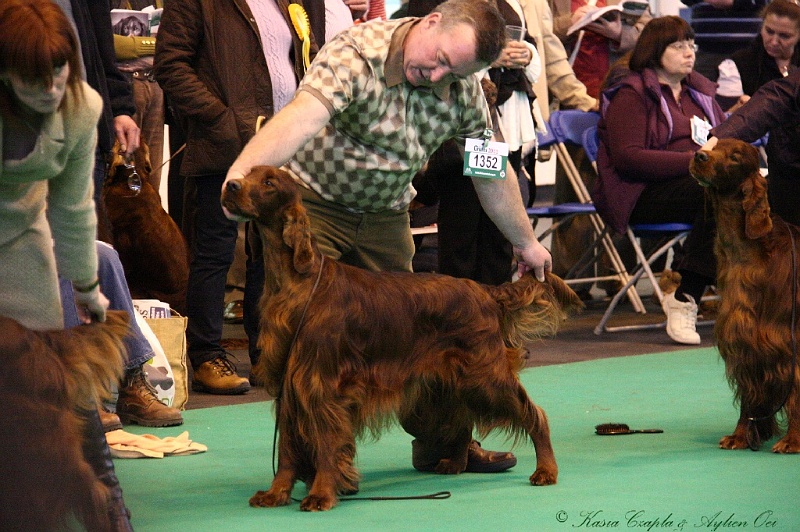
487	136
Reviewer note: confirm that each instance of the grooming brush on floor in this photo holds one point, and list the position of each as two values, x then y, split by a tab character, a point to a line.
615	429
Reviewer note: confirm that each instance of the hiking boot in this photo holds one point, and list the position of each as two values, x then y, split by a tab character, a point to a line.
139	404
218	376
681	319
109	420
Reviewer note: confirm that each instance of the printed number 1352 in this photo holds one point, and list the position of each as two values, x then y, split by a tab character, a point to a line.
482	160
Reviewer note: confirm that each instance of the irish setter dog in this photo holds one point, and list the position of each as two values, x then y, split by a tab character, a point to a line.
45	378
151	247
345	349
757	278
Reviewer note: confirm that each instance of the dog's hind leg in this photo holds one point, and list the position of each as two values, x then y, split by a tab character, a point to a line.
506	404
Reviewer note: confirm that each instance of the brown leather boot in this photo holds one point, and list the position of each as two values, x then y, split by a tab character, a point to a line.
139	404
109	420
218	376
427	458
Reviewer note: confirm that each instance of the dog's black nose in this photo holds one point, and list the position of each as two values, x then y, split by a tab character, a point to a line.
700	156
233	185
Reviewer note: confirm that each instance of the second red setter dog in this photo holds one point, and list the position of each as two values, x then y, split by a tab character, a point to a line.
151	247
345	349
757	279
44	378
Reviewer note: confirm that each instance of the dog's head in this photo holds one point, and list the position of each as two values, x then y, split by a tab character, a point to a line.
731	170
269	196
130	27
120	177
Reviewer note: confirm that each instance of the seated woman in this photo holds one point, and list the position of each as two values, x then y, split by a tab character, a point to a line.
137	402
653	120
773	54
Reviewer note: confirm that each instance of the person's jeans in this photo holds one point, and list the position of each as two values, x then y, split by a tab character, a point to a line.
115	288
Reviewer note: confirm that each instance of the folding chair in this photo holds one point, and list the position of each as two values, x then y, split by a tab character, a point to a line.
568	127
668	234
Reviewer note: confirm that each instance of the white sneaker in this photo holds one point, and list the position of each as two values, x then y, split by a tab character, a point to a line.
681	319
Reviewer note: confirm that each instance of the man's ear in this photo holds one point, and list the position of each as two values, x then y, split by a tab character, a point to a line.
431	20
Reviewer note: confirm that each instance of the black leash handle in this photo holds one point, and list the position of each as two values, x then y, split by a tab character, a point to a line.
439	495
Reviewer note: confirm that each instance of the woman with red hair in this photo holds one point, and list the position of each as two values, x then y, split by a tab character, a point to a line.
48	126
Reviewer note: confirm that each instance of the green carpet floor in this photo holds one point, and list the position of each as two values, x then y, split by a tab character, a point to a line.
678	480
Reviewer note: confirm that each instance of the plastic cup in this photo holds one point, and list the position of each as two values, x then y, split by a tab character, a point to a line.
515	33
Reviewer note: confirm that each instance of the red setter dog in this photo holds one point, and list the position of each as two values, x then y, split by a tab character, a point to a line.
45	377
344	349
756	279
151	247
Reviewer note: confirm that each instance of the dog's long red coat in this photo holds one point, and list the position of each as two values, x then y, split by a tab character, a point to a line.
754	251
376	344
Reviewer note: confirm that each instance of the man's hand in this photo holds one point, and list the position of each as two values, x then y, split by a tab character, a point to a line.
710	143
536	258
128	134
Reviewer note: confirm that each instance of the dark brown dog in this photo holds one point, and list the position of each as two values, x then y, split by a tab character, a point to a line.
371	345
151	247
757	278
45	377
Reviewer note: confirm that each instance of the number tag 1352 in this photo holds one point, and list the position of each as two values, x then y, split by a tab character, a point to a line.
485	159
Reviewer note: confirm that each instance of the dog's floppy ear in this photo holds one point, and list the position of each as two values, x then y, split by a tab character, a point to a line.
297	235
757	221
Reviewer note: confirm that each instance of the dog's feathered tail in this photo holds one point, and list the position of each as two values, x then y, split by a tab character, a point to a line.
94	354
533	309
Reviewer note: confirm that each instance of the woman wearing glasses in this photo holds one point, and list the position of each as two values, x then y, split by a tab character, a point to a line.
653	120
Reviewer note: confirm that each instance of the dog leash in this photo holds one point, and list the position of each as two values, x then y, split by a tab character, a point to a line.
431	496
439	495
170	157
753	440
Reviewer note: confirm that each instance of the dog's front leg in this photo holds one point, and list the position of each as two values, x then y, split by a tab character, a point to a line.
738	440
280	492
335	474
790	443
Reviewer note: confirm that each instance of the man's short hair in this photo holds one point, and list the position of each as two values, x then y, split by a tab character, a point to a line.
485	19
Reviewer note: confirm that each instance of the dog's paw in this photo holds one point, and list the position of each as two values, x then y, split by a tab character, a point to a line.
318	503
270	499
543	477
787	445
733	442
447	466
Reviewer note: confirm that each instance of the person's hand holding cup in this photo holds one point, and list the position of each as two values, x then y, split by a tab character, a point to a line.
516	53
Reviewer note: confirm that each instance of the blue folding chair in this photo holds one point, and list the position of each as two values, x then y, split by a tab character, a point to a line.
668	234
567	128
